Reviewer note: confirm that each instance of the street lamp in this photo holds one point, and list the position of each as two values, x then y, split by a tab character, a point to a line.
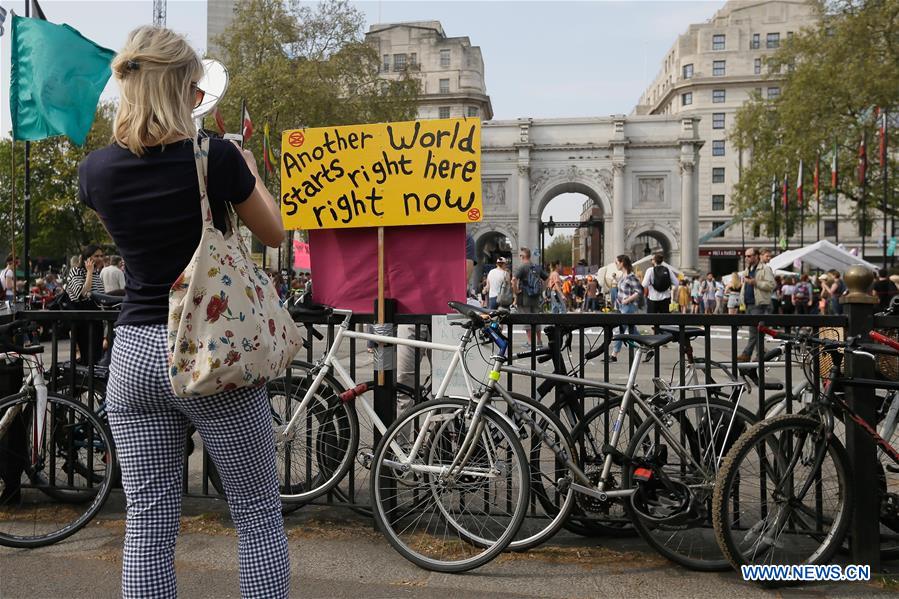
646	249
551	226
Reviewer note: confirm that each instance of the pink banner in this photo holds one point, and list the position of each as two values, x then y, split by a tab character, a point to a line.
301	255
424	267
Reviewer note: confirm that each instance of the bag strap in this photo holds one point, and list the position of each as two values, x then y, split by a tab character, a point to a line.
201	158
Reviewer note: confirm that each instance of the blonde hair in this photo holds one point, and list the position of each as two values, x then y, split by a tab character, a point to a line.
155	71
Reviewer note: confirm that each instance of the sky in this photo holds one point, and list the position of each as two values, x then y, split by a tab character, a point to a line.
542	59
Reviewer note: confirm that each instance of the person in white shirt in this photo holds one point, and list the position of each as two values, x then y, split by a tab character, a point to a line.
496	278
659	280
112	276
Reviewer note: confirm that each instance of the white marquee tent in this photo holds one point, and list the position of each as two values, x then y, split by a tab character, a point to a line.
821	254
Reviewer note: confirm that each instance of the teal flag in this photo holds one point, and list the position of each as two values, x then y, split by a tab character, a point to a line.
56	79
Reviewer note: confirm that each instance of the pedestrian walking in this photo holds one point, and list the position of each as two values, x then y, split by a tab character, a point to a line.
885	289
803	296
709	289
555	287
112	276
499	284
591	291
658	280
684	302
528	284
732	293
144	186
755	294
629	292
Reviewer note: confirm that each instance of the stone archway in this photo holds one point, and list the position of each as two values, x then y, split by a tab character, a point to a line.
657	238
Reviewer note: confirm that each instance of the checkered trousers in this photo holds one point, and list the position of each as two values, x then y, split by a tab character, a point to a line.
149	424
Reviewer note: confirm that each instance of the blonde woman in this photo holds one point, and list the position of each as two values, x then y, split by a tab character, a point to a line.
144	188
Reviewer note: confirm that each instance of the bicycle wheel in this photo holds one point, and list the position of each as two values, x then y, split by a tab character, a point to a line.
591	516
322	445
553	505
672	511
75	459
441	521
784	496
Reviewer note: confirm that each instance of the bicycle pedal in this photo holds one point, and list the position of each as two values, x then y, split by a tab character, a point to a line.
563	485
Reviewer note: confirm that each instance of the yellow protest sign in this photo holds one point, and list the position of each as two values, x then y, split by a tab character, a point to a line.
381	175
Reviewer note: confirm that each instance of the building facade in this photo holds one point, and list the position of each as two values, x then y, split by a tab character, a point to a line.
637	171
219	14
449	69
708	74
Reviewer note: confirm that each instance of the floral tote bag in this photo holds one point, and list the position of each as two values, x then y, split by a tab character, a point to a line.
226	328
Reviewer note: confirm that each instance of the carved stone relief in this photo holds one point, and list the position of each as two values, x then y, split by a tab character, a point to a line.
650	190
494	192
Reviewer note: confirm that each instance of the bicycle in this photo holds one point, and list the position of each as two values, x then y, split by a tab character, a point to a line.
54	450
785	494
666	497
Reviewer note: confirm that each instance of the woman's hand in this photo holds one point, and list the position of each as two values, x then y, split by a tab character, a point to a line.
249	159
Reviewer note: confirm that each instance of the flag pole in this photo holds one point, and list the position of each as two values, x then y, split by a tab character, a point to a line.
800	197
883	169
863	176
818	196
774	201
26	227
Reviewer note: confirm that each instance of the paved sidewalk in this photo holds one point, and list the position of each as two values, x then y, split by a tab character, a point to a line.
336	553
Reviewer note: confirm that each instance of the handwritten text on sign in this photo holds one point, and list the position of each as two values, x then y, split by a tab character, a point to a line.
386	174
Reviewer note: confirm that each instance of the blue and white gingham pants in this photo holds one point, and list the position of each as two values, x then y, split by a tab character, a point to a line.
149	425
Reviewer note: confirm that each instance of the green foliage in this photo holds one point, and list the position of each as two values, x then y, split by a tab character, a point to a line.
60	223
559	250
300	66
834	76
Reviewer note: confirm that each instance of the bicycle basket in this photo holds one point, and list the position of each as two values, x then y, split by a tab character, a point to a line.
816	358
888	366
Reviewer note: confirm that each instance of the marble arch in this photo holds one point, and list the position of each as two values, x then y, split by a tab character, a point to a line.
637	169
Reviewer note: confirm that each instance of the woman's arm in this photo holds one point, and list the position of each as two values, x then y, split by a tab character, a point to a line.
260	212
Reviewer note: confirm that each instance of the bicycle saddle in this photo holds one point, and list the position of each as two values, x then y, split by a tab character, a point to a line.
107	300
689	332
650	341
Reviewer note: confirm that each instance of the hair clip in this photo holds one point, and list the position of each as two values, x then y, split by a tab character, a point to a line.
133	65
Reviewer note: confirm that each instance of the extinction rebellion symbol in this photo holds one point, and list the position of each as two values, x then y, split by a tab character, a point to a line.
296	139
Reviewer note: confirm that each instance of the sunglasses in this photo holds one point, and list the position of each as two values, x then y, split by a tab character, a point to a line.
199	95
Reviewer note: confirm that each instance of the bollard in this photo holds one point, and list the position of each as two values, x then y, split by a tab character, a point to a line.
865	527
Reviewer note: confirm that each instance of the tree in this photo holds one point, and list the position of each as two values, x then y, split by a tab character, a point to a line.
559	250
299	66
60	222
834	75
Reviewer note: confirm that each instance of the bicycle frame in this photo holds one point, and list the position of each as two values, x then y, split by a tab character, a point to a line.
330	363
34	378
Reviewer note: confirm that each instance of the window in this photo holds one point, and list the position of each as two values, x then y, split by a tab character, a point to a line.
758	92
772	40
757	66
445	58
716	224
869	226
444	86
717	147
756	230
686	99
386	63
718	96
717	120
830	228
399	62
443	112
413	59
718	175
688	71
789	34
718	41
773	92
473	111
756	42
717	68
718	202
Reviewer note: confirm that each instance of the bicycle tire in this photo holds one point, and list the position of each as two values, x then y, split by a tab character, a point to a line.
694	534
458	553
545	471
730	477
69	424
331	452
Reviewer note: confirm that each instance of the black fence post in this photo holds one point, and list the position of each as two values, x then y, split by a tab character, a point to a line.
865	528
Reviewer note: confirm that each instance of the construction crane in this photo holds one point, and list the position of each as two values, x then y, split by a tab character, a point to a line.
159	13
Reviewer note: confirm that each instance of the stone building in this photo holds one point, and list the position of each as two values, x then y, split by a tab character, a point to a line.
708	74
219	14
450	69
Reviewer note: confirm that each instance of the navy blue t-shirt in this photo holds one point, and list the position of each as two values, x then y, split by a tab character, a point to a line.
150	205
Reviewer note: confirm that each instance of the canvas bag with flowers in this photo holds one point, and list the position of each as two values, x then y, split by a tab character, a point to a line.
226	328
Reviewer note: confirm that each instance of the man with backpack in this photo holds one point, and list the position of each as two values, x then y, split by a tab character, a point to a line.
528	287
659	280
